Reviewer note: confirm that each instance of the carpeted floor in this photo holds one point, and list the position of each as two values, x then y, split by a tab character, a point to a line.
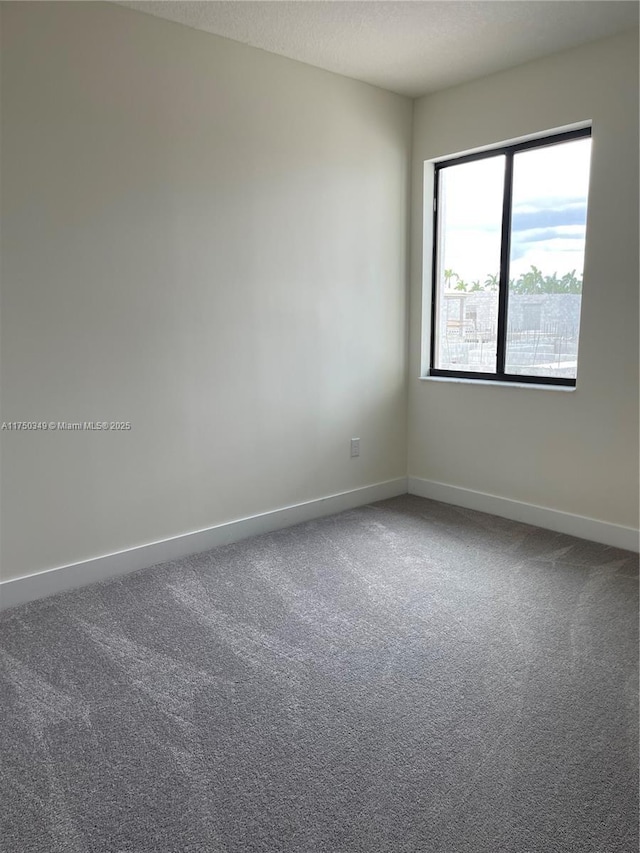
407	677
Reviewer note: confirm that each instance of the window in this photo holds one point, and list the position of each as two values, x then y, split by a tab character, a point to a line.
508	258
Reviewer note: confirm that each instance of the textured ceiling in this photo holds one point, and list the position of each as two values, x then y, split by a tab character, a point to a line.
410	47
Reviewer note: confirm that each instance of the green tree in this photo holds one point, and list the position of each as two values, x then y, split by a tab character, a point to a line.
531	282
492	281
448	276
534	282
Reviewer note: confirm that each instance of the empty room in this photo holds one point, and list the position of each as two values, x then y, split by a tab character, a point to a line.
319	426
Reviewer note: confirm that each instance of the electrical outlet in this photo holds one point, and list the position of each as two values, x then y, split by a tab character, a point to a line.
355	447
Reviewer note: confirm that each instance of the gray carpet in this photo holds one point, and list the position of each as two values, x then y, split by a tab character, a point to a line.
407	676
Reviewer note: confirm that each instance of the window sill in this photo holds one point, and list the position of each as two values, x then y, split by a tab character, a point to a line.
527	385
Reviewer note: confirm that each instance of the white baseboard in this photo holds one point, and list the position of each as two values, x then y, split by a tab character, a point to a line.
539	516
31	587
50	581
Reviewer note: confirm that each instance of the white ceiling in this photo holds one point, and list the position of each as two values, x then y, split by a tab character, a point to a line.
408	46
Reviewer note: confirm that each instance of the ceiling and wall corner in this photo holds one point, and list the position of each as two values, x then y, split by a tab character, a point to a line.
410	47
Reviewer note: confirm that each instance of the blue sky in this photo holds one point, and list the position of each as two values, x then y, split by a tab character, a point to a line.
549	212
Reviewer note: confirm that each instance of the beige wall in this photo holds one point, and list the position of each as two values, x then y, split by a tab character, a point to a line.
205	240
208	241
572	451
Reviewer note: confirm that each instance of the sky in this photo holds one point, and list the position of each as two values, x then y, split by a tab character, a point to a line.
550	188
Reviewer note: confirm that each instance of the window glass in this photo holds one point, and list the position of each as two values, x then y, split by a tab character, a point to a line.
548	221
509	248
470	199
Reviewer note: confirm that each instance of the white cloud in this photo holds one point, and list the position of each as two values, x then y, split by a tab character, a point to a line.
550	181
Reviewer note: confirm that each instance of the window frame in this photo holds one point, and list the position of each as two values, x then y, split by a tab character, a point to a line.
505	252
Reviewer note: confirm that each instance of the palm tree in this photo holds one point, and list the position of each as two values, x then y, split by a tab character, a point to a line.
448	275
492	281
530	282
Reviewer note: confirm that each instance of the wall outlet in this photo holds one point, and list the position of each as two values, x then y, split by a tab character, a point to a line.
355	447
